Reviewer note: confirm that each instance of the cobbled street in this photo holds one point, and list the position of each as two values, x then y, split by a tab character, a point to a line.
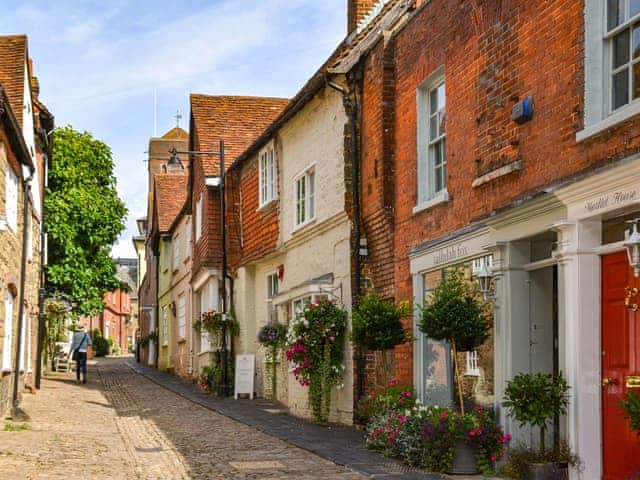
123	426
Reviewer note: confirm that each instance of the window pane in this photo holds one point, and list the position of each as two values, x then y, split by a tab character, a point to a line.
433	101
621	49
634	7
442	124
443	153
438	179
433	127
615	13
636	80
312	204
441	97
620	88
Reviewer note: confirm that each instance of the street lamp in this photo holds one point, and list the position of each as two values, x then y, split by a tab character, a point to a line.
174	163
632	244
484	276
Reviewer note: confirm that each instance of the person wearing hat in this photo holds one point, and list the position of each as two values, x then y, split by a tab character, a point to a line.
79	345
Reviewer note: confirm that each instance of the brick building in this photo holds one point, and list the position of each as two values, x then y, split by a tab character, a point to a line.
238	121
24	123
148	309
451	178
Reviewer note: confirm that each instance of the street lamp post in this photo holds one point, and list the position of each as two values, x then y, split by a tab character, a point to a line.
174	160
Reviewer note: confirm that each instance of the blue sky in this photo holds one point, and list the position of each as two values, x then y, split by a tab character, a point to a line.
99	63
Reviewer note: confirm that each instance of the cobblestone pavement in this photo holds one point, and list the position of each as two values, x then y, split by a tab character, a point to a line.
123	426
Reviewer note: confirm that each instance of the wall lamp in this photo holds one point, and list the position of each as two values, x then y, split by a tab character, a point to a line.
632	244
484	276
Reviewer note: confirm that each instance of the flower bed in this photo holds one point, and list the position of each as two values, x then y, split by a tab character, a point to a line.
426	437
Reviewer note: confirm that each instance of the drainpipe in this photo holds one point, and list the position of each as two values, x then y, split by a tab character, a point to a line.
223	303
157	322
23	278
352	106
43	260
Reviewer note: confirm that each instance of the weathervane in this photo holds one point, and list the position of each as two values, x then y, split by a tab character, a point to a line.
178	118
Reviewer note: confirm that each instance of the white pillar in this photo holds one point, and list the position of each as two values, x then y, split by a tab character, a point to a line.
579	281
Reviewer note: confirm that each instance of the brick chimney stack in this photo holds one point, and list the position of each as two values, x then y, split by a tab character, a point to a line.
357	10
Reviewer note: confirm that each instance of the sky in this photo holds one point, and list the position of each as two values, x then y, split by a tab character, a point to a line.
100	64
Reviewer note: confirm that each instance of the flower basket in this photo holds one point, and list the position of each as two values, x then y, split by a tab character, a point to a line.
315	347
272	337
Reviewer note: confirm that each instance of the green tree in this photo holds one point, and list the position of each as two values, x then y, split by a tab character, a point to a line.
84	217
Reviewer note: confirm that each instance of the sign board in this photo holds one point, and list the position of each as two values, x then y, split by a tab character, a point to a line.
245	372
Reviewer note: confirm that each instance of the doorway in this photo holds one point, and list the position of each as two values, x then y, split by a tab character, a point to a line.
620	363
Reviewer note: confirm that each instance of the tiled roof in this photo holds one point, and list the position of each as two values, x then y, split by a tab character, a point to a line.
13	55
171	193
236	120
176	133
349	46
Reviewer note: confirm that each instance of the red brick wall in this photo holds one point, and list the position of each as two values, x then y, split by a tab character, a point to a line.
357	10
494	54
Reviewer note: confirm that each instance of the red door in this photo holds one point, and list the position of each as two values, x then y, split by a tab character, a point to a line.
620	360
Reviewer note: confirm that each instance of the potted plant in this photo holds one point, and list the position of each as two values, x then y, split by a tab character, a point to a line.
455	314
535	400
315	346
377	327
272	337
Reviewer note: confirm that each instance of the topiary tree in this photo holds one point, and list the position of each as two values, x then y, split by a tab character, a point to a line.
377	325
537	399
456	315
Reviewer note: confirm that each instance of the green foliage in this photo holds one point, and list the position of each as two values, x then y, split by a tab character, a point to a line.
15	427
631	407
455	314
316	348
426	437
537	399
383	401
520	456
84	217
377	324
55	316
210	378
100	344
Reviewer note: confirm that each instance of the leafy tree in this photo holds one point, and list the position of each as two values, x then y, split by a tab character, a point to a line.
84	217
456	315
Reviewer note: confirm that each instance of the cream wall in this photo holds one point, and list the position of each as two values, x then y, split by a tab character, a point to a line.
181	346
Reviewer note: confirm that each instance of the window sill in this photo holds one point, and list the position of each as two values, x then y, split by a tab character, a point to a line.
611	121
182	340
442	197
302	226
267	205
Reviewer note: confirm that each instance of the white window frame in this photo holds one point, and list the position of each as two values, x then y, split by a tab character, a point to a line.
182	317
298	305
198	215
177	257
272	291
598	114
7	345
165	326
473	360
427	195
11	199
267	175
304	211
189	241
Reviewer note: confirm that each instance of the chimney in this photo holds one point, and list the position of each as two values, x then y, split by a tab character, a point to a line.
356	11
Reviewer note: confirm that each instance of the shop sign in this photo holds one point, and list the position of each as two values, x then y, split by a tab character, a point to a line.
471	246
245	371
611	201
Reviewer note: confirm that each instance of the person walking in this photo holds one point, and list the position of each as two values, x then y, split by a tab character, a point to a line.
79	345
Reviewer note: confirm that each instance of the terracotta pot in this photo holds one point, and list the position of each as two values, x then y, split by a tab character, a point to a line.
464	459
547	471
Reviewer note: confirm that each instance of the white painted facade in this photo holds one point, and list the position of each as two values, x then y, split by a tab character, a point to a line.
573	214
316	255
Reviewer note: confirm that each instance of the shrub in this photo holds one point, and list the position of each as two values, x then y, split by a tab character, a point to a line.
520	456
377	324
536	400
631	407
100	344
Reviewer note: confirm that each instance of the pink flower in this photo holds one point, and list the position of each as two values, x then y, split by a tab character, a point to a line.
493	458
444	414
332	339
393	383
373	393
393	435
401	401
402	419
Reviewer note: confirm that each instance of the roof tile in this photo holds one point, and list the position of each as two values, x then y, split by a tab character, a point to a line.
13	55
236	120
